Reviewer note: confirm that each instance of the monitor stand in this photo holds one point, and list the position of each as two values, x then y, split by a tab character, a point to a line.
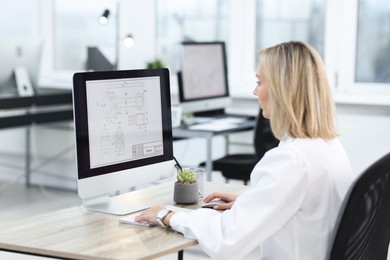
23	82
106	204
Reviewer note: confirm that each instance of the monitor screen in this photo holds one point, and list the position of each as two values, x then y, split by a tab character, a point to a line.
123	130
203	80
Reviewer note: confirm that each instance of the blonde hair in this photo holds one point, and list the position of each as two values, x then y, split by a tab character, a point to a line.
300	100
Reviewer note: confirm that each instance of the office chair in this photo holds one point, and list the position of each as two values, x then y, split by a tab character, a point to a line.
239	166
362	230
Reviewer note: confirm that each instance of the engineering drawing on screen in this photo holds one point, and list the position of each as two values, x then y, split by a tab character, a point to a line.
124	120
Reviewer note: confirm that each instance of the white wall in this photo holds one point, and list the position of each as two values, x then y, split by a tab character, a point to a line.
365	133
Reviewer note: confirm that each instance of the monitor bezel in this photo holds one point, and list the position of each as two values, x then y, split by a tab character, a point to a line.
81	120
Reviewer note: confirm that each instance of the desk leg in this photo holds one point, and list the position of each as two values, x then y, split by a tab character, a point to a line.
180	255
28	156
209	159
226	144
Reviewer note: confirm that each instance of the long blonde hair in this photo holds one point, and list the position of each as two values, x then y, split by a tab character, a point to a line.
300	100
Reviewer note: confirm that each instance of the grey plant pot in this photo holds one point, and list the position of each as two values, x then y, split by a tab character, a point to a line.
186	193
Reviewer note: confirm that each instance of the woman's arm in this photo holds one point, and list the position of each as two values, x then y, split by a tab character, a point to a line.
150	214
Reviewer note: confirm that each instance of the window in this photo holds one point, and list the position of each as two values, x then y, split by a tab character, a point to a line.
285	20
353	37
18	21
76	27
373	41
358	41
245	26
190	20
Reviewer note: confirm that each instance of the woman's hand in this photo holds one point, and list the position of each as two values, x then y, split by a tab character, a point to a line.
229	199
149	215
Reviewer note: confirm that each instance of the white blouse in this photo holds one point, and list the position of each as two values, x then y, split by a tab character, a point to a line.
296	192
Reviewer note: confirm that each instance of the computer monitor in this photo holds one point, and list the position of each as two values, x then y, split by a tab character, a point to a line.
203	81
19	55
123	134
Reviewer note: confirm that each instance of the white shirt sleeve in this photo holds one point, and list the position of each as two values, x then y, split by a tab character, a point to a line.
279	185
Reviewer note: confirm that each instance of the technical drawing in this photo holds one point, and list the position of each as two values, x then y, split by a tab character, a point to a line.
147	150
122	100
124	120
105	142
139	120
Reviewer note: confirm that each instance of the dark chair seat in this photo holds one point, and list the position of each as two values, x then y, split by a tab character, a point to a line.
234	164
239	166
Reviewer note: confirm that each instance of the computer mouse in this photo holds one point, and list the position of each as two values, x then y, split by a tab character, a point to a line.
211	204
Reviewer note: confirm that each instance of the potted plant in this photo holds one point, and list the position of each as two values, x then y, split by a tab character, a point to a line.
155	64
186	187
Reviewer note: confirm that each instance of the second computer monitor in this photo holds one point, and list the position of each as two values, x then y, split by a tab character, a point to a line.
203	80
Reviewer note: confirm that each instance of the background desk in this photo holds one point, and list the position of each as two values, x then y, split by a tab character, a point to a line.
185	132
75	233
45	106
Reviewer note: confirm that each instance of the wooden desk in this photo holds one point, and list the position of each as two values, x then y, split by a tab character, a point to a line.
185	132
75	233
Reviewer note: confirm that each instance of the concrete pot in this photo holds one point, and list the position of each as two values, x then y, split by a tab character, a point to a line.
186	193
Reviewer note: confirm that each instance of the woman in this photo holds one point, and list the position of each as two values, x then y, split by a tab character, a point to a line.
297	187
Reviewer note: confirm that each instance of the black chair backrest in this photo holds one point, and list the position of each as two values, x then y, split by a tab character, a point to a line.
264	139
362	230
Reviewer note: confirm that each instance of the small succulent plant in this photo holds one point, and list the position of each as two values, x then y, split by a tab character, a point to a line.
186	176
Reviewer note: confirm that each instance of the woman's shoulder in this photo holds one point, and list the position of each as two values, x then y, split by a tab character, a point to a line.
281	163
304	150
308	143
288	151
304	156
